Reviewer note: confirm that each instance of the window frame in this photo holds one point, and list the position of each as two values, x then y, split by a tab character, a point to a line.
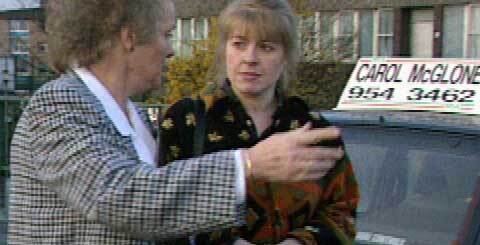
18	26
468	45
319	35
330	32
378	35
19	45
462	32
313	40
361	14
353	36
178	40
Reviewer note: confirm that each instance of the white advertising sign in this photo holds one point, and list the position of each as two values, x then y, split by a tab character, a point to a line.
441	85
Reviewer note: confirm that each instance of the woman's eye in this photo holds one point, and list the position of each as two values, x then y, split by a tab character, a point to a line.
267	47
170	34
238	44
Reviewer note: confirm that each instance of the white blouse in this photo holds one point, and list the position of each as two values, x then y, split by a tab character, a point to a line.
143	141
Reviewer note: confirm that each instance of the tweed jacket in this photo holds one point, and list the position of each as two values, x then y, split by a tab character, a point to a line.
76	180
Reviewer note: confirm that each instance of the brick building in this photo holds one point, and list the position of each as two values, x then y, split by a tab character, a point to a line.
344	29
22	39
349	29
22	65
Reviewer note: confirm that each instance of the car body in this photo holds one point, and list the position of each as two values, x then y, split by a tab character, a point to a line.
418	174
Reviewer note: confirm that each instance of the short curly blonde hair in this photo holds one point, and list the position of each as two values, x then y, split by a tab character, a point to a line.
83	31
271	20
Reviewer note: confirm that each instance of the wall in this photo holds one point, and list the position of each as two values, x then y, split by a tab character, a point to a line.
194	8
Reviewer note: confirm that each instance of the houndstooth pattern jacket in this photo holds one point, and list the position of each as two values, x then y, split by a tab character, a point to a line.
76	180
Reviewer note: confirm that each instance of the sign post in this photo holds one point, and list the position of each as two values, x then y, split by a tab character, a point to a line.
411	84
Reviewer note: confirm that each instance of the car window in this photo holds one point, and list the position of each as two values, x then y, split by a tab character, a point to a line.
416	185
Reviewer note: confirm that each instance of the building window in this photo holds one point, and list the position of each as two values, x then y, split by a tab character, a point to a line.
474	32
19	45
22	65
186	37
344	37
326	29
453	30
201	29
385	33
175	37
309	37
189	30
348	34
366	33
18	26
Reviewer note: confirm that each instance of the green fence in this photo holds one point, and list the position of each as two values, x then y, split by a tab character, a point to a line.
10	109
19	77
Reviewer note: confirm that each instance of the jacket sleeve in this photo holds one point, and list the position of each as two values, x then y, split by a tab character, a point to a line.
79	155
334	219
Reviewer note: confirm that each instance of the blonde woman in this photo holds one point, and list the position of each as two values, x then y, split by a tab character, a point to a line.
256	58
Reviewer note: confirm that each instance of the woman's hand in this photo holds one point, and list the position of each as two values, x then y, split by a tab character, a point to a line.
240	241
291	156
290	241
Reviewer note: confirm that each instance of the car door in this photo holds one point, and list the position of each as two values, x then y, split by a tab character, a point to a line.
417	182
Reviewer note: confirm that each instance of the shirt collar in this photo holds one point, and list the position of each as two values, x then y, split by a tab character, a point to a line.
227	90
111	107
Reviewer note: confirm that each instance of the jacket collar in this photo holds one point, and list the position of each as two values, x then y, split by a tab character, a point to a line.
110	106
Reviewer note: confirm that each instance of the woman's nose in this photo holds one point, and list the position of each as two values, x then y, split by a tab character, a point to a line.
250	54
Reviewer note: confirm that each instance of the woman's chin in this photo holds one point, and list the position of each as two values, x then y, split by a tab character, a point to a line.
251	93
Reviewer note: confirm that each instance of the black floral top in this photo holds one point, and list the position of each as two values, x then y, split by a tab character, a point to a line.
314	212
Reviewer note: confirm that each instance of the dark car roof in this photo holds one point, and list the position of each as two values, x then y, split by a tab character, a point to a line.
449	122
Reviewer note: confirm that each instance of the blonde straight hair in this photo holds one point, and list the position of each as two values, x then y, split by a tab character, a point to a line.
266	20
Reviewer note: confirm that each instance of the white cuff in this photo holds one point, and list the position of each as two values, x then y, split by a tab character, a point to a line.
240	178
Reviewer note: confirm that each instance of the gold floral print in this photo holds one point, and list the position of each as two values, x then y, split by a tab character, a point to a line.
190	119
294	124
167	123
244	135
214	137
175	150
229	117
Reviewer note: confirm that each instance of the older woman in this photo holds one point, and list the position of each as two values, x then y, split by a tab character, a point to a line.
256	57
83	157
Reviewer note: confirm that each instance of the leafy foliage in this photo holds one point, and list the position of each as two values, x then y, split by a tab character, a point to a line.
187	75
321	84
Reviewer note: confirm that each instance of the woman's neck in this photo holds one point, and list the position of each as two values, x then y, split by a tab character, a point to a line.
114	82
260	109
258	104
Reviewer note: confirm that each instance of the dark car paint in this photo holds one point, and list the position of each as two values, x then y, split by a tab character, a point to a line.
445	133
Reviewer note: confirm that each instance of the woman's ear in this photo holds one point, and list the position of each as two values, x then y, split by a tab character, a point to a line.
127	39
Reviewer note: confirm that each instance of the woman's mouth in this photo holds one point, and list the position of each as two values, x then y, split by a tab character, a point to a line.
249	75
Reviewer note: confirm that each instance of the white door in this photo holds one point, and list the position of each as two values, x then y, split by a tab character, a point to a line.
421	38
